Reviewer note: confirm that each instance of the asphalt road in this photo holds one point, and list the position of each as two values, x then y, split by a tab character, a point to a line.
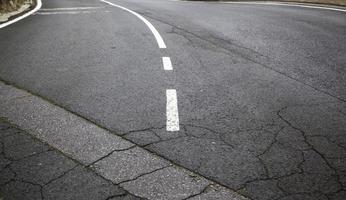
261	89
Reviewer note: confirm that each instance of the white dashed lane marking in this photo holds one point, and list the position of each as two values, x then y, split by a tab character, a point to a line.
172	111
167	64
172	116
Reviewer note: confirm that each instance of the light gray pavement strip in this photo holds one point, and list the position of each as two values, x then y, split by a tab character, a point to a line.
118	160
173	183
215	193
129	164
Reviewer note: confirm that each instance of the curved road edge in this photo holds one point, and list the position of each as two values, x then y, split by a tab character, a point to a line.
37	7
276	3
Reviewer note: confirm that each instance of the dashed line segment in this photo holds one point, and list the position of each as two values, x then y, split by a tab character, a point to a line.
172	123
167	64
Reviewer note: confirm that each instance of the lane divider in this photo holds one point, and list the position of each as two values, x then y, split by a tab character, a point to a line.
167	64
37	7
157	35
172	115
172	123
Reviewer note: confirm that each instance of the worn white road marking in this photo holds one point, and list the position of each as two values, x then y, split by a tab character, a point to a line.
172	123
70	8
37	7
289	4
167	64
157	35
66	12
304	5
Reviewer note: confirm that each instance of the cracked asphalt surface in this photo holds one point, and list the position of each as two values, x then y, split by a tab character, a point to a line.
261	89
30	169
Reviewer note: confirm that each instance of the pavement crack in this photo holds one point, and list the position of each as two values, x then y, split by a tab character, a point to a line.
274	140
144	174
3	153
113	196
266	170
166	140
34	184
205	189
202	127
124	196
61	175
277	178
323	157
110	153
144	129
331	141
300	165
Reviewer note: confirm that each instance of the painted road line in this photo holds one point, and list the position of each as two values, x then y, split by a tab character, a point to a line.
37	7
167	64
66	12
157	35
70	8
172	123
293	4
288	4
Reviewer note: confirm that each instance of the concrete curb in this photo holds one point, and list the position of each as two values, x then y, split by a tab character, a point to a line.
20	17
125	164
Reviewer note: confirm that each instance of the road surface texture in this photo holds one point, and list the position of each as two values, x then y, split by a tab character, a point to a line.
31	170
261	89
